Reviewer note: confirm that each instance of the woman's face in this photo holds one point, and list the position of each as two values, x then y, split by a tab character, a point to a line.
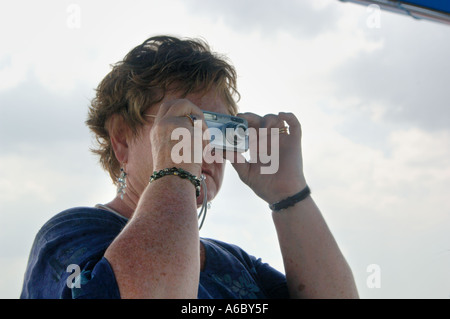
140	170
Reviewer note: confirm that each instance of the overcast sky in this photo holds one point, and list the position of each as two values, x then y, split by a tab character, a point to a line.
373	103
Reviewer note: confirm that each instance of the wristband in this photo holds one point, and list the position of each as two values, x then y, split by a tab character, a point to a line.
291	201
180	173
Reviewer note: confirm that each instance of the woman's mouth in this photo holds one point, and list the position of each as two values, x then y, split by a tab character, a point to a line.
206	172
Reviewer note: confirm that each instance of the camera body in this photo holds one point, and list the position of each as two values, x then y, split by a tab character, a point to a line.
227	132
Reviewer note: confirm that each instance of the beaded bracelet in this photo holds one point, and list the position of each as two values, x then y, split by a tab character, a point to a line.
291	201
178	172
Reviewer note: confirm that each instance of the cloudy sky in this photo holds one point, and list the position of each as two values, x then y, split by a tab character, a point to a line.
370	91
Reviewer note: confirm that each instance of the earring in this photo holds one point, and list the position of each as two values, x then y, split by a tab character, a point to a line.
122	183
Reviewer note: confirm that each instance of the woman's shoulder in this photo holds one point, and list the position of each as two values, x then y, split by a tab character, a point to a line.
83	219
74	237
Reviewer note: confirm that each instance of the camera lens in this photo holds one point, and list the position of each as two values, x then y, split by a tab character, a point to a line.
235	133
240	131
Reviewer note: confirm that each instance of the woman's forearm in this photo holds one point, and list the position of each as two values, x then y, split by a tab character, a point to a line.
157	254
314	264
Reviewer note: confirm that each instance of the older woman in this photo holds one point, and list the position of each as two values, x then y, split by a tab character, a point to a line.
145	243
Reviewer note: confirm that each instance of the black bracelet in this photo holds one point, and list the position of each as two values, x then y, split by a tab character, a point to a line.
291	201
180	173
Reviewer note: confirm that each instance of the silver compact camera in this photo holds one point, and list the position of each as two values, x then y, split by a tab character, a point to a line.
227	132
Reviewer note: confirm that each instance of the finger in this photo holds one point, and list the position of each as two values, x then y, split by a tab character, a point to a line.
182	107
254	120
187	113
182	113
191	114
164	108
272	121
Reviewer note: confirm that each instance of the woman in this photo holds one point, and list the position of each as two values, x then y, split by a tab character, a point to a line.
145	243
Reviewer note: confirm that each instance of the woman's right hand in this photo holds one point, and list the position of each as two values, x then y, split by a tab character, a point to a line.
173	131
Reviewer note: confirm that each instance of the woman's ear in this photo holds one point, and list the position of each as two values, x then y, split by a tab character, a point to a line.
120	134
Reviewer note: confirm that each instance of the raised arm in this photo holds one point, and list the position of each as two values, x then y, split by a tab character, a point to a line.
157	253
314	264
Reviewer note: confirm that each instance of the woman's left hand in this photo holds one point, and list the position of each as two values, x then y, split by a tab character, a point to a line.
276	171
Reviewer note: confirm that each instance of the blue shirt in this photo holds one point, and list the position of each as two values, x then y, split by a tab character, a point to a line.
66	261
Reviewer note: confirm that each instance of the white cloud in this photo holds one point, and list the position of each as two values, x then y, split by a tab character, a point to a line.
388	208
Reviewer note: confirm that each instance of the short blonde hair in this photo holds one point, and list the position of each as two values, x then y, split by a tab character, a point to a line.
159	65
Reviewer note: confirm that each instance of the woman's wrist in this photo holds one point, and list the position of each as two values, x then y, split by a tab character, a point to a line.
285	190
193	168
291	200
179	172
